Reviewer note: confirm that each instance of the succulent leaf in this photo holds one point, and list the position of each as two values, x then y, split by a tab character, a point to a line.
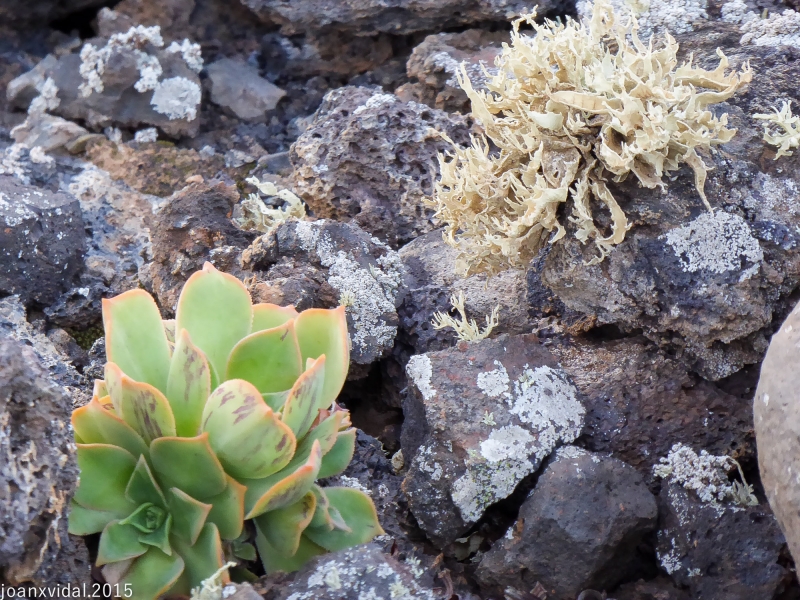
321	331
152	574
94	424
169	329
144	408
305	398
189	515
99	390
249	439
178	461
142	487
276	560
105	472
120	541
85	521
336	460
321	519
159	537
283	488
135	338
267	316
202	559
269	359
283	527
215	309
188	385
227	510
276	400
358	512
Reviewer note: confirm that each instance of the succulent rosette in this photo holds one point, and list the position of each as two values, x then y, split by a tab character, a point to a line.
225	414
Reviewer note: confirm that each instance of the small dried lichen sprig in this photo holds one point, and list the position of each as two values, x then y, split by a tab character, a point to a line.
253	213
570	108
783	120
466	329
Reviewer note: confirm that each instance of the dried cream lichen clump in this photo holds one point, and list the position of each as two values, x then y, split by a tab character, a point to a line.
781	129
571	107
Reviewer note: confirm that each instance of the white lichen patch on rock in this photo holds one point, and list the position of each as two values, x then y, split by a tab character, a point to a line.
254	214
146	135
716	242
656	16
47	99
177	97
546	404
420	370
495	382
706	475
776	30
190	52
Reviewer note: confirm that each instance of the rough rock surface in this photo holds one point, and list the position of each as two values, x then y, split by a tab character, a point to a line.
191	227
116	219
37	475
237	87
640	402
369	157
355	574
324	264
719	551
399	17
42	10
775	411
660	588
578	529
479	418
41	241
434	65
705	285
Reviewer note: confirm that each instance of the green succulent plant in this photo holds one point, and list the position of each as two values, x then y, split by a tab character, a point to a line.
225	414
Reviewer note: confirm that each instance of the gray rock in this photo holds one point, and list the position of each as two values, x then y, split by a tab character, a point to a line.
578	529
369	17
355	574
42	11
23	89
237	87
371	158
42	241
705	285
38	474
49	132
479	418
640	402
660	588
776	413
719	551
323	264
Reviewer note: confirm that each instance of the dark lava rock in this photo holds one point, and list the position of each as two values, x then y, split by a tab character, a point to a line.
660	588
238	88
369	157
479	418
40	11
368	17
41	242
324	264
578	529
640	402
38	474
720	551
704	285
192	227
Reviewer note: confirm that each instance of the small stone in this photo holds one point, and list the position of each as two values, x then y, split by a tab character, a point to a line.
238	87
578	529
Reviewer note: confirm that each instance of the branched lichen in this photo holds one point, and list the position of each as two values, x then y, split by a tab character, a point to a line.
213	587
781	129
254	214
466	329
571	107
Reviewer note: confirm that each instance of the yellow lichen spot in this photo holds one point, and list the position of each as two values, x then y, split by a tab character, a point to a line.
466	329
571	106
782	129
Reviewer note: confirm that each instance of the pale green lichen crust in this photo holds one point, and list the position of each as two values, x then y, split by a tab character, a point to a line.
572	107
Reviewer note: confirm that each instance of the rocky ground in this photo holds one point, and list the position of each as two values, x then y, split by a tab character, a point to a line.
576	453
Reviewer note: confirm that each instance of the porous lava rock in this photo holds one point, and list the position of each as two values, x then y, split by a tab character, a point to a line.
579	528
324	264
720	551
38	474
369	157
480	418
42	241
